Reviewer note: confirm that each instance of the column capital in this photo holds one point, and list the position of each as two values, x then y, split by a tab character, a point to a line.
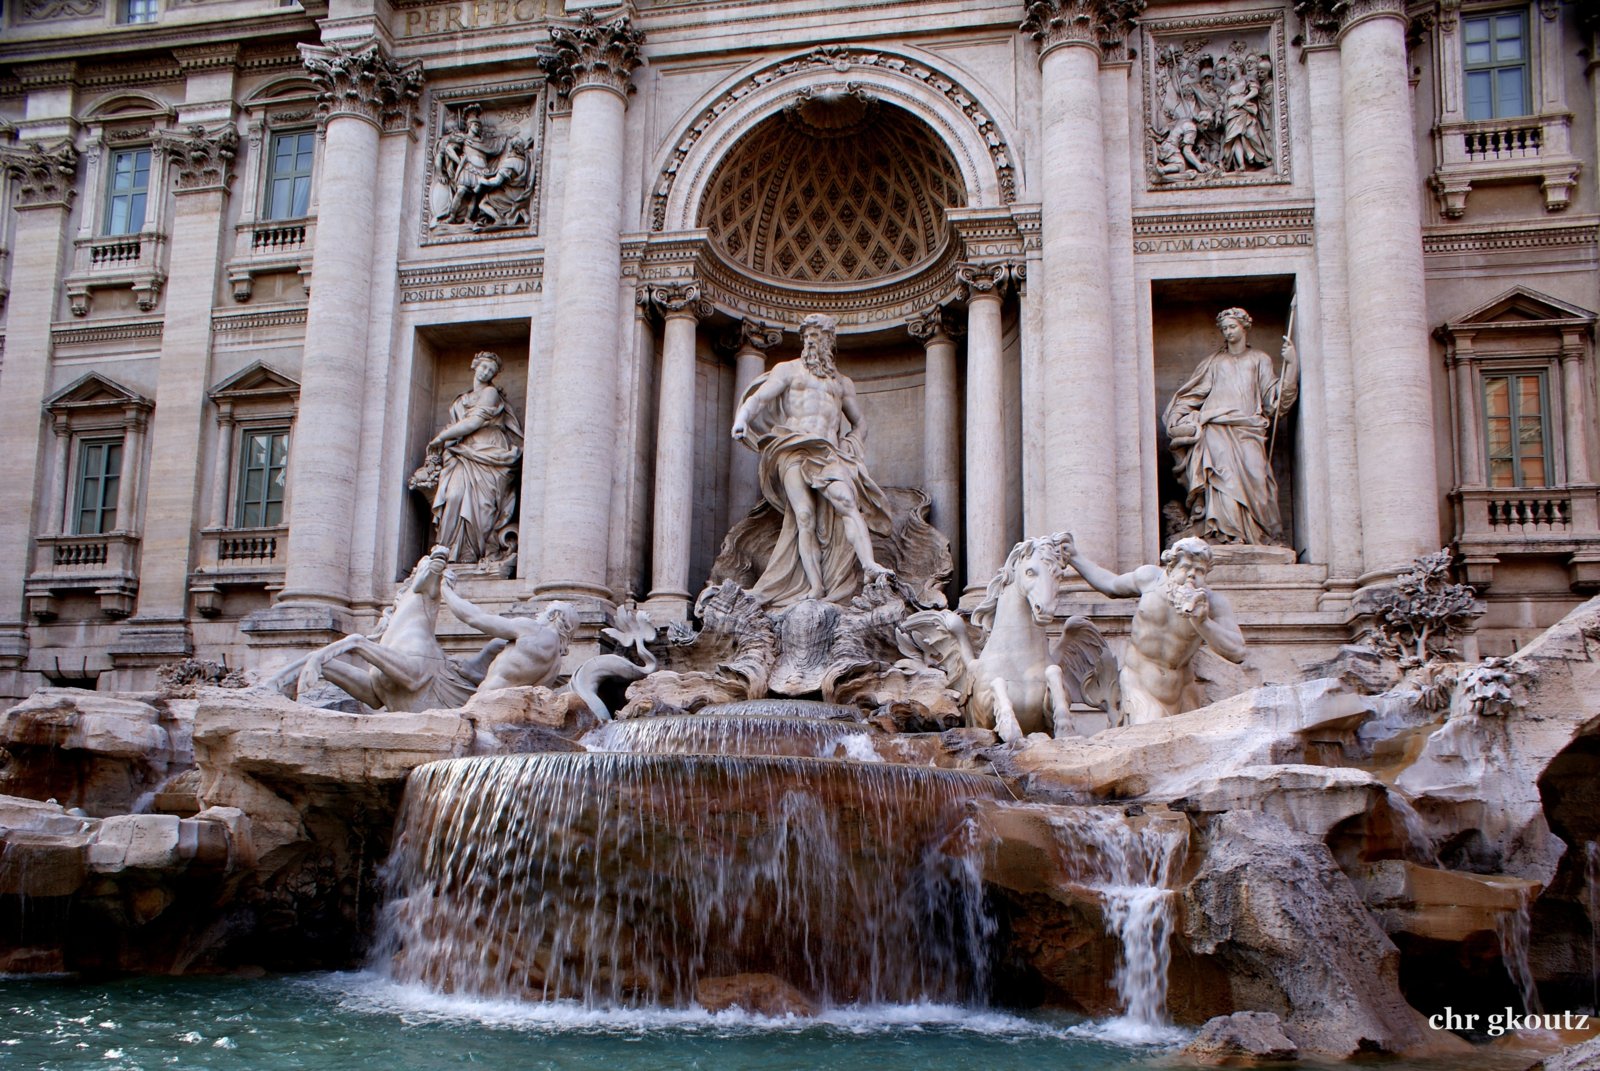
751	335
594	52
44	176
1325	21
362	81
201	160
676	298
1101	25
983	280
934	325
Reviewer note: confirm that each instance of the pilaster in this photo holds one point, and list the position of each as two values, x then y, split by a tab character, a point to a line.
986	286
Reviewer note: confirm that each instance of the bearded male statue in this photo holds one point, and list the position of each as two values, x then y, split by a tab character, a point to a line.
803	419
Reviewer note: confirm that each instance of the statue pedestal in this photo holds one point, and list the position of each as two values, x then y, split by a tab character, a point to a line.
1251	554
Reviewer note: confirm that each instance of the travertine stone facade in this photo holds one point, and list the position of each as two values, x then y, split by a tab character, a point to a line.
248	253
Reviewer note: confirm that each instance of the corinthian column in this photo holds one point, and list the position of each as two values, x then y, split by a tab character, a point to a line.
1388	308
986	431
201	164
591	62
362	94
749	361
941	427
682	307
44	194
1078	371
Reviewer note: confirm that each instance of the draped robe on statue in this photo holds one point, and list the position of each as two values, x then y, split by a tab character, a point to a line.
1230	400
474	504
783	580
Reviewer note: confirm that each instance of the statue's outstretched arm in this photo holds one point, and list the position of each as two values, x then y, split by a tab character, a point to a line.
474	616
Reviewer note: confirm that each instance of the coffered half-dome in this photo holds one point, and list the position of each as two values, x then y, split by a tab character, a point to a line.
837	188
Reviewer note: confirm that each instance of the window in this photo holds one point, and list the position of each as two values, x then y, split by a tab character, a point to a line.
99	474
137	11
289	175
263	466
1495	64
1514	407
130	188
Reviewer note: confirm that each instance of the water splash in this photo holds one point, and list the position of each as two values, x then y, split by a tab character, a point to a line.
1131	864
1420	846
726	734
1514	928
627	879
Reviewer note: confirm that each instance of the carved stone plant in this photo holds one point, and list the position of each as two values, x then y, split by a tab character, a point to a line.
1418	620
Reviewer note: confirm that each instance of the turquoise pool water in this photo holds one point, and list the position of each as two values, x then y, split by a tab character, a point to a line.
351	1022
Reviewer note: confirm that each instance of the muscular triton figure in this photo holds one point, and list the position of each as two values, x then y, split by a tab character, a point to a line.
803	419
534	646
1176	614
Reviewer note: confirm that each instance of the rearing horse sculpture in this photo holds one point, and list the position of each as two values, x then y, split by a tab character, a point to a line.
406	669
1020	684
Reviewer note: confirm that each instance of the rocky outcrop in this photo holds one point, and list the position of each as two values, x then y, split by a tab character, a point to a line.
1271	906
1241	1038
1581	1057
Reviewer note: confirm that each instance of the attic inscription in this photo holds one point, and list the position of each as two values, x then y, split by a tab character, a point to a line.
469	15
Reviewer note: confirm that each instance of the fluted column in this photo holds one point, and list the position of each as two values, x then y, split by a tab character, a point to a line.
986	432
749	361
681	306
1388	306
1078	371
362	94
941	427
44	193
591	61
201	165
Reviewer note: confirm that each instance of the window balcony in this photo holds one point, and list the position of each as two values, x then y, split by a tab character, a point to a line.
237	558
105	565
270	245
1530	148
131	261
1498	524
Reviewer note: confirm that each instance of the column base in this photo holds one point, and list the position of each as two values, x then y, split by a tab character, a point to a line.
665	607
579	592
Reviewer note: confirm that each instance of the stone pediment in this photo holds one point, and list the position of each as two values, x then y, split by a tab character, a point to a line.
95	391
1521	307
257	381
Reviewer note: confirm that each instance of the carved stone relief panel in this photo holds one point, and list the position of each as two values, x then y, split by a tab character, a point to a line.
1216	102
484	148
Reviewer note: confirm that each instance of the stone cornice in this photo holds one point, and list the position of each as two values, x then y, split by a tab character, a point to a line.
676	298
1507	238
1102	25
121	331
362	82
1325	21
594	52
44	178
201	160
207	57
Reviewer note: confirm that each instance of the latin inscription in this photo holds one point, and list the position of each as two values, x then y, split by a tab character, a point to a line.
470	15
1221	242
469	290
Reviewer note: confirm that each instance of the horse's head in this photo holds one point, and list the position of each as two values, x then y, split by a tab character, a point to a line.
1033	569
424	579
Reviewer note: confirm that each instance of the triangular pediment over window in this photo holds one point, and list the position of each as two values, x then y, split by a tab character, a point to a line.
95	391
256	382
1522	307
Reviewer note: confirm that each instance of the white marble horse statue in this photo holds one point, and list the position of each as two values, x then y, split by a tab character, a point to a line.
1020	683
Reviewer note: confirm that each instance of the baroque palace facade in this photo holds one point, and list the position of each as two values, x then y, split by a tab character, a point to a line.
250	252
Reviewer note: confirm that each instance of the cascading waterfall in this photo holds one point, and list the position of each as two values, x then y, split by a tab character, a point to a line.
1515	930
726	734
618	878
1591	881
1130	864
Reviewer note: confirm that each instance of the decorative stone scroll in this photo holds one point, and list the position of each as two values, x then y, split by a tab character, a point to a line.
45	10
201	160
1216	102
44	176
989	278
594	52
681	298
1099	24
1324	20
929	325
483	162
362	81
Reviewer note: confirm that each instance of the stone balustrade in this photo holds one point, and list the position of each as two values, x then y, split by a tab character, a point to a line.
104	262
266	246
1531	148
106	565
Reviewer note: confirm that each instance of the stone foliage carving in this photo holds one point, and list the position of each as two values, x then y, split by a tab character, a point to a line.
594	52
1102	24
934	323
201	160
44	10
44	176
1220	425
997	277
680	298
468	469
1176	615
484	167
1419	619
1325	19
1216	103
364	82
1490	688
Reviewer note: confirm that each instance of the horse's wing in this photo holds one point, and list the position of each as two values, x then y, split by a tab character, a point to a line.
1087	664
